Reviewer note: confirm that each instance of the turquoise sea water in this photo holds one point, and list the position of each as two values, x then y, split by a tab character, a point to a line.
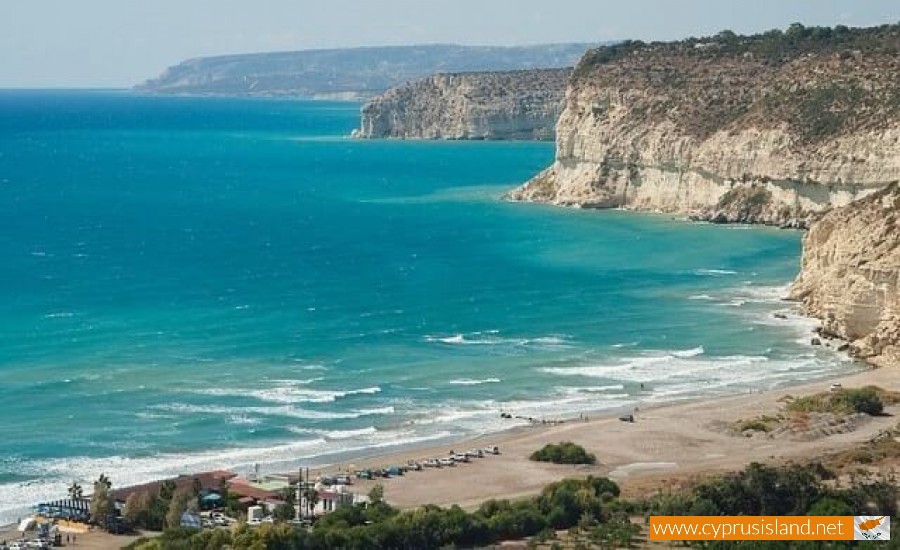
198	283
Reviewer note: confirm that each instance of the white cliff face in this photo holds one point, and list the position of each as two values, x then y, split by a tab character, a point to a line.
492	105
728	139
851	275
800	129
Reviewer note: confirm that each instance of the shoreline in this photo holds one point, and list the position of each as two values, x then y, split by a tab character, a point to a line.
672	441
375	457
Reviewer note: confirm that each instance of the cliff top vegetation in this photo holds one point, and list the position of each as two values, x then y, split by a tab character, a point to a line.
819	83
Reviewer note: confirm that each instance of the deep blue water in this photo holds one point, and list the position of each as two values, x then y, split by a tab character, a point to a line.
195	283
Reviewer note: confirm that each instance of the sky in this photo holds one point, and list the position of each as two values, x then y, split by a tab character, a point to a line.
119	43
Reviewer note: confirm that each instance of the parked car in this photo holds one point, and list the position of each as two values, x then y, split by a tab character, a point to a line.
460	458
447	462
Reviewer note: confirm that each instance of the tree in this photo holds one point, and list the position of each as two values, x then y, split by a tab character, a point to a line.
376	494
167	489
196	487
103	480
136	506
101	500
795	30
289	495
831	506
177	506
284	512
727	36
312	498
75	490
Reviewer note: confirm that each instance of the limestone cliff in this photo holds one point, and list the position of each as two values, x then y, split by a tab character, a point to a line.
771	128
486	105
851	275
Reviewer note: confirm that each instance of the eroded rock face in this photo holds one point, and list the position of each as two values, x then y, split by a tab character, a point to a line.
489	105
849	278
745	129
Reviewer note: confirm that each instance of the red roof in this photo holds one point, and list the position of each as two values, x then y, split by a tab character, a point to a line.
242	490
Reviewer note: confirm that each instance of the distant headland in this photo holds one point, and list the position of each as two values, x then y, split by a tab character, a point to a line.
352	73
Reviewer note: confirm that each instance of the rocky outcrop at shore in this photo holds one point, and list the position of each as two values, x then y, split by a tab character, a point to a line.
485	105
851	275
770	129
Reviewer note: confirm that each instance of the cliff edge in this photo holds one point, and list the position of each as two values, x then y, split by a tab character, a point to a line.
851	275
480	105
771	128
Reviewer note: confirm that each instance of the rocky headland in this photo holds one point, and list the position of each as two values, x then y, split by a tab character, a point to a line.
480	105
799	128
772	128
347	73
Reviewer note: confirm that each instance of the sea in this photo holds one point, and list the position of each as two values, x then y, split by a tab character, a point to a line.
197	283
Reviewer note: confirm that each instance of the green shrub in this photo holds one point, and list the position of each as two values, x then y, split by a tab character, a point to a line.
866	400
564	453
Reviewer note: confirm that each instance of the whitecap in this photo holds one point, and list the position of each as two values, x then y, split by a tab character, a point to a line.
288	393
490	338
714	272
59	315
333	435
285	411
471	382
693	352
243	419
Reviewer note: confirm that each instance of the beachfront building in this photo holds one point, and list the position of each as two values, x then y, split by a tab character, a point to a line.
328	499
252	494
205	483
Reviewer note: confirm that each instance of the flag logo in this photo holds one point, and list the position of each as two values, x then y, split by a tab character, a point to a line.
872	528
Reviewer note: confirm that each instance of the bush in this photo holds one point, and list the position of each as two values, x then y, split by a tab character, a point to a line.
564	453
865	400
860	400
284	512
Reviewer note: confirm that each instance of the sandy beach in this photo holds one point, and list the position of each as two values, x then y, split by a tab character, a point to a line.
665	445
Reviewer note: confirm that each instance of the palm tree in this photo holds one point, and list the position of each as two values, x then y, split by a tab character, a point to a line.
75	490
103	480
167	489
312	499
